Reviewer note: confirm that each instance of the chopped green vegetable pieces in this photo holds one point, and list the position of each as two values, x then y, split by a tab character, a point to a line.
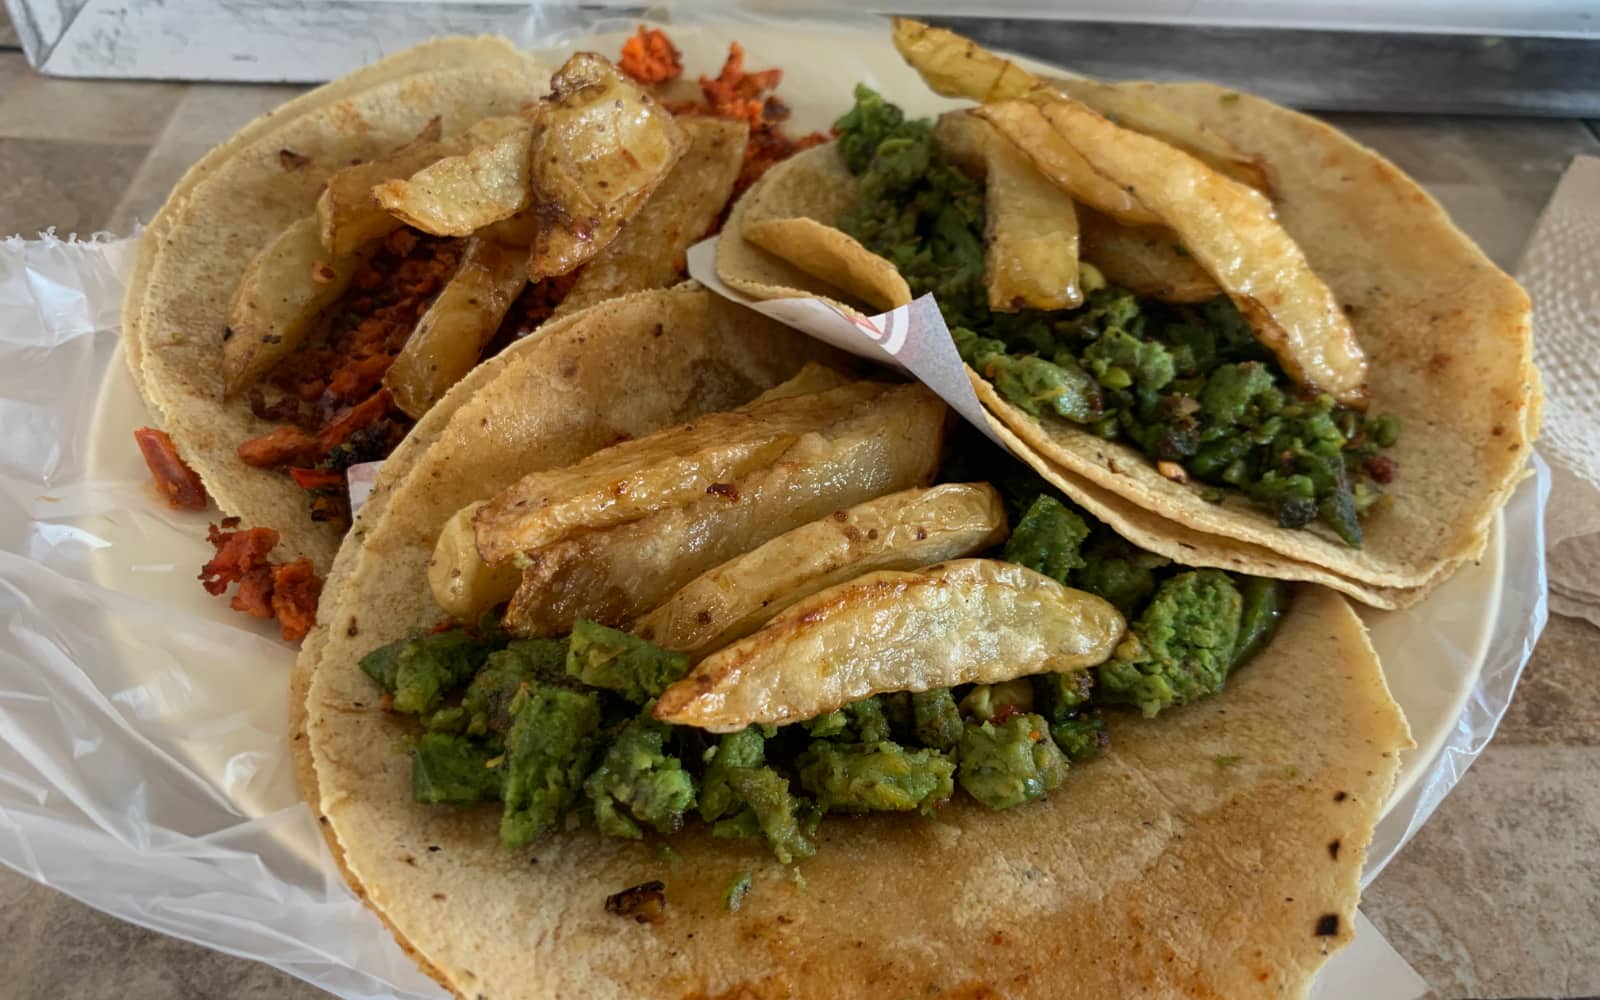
487	702
1119	572
936	720
548	752
420	671
607	658
737	890
1080	738
777	812
1047	539
451	770
875	777
1182	645
1059	696
746	748
1263	602
1119	360
986	702
1012	763
639	782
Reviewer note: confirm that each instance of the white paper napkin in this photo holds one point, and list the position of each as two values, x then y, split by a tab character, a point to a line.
1561	271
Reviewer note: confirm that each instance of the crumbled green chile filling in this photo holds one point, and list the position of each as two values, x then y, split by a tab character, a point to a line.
559	731
1188	385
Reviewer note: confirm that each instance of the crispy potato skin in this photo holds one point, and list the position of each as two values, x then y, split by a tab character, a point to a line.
282	292
900	531
890	442
630	480
967	621
601	148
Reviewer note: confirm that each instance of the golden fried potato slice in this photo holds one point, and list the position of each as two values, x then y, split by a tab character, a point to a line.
1125	106
953	66
970	621
458	325
349	215
1062	163
812	378
1146	260
1230	230
669	468
903	530
1030	255
603	145
465	586
279	297
890	442
959	67
458	195
649	252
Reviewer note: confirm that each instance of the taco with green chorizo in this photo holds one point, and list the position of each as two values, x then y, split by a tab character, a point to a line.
1233	333
317	283
678	658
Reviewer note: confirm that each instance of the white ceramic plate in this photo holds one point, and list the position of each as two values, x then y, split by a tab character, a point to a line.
1432	654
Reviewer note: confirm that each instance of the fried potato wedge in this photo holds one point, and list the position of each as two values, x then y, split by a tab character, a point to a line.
649	252
959	67
458	195
812	378
890	443
1061	162
602	146
466	587
1031	225
458	325
1230	230
903	530
825	252
279	297
1030	255
349	214
968	621
953	66
1147	260
1125	106
672	467
463	585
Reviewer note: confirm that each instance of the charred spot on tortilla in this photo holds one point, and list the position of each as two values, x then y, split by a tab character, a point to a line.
646	902
290	160
1327	925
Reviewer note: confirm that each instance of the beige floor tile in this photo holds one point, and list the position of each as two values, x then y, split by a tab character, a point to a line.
1469	908
1558	701
57	947
13	66
39	107
8	31
72	186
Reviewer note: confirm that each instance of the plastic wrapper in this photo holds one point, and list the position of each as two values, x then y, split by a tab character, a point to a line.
144	766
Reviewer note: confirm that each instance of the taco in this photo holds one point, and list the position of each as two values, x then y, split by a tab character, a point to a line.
315	284
644	597
1230	331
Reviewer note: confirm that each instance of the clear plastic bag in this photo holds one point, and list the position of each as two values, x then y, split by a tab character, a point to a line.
144	768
